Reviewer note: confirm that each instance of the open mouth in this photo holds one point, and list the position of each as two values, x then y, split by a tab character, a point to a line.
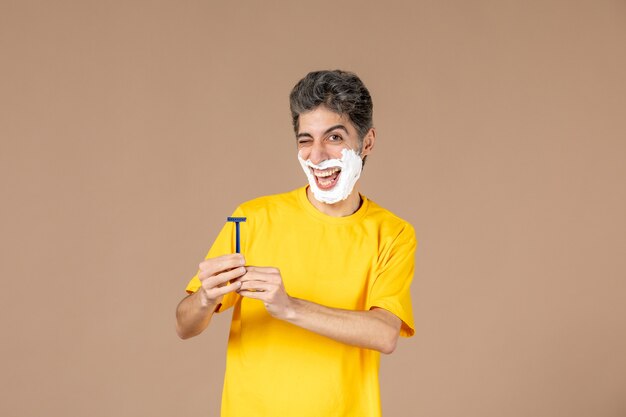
326	178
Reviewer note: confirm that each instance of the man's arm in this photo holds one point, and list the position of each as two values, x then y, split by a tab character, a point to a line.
193	315
376	329
194	312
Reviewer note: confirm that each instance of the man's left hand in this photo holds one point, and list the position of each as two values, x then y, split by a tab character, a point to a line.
266	284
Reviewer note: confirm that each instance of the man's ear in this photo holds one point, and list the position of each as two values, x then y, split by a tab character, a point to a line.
368	142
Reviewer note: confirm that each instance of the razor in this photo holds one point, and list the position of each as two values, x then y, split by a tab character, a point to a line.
236	220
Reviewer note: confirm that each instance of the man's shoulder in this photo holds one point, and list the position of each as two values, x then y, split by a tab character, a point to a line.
388	220
272	201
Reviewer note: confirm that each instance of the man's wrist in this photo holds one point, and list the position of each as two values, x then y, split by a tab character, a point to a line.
291	310
205	302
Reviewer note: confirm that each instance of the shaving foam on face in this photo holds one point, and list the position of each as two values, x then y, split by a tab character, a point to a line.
351	166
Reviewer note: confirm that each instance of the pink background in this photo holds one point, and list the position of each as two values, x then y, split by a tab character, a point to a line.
130	130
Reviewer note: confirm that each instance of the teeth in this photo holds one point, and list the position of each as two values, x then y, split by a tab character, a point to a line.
327	173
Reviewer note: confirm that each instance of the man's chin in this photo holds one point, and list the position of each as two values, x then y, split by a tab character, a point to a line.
326	196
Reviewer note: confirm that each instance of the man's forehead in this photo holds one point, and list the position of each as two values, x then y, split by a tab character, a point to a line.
321	119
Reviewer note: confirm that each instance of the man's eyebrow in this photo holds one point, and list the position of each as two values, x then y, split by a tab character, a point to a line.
330	129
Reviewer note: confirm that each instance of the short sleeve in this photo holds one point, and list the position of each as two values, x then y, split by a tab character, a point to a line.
224	244
391	289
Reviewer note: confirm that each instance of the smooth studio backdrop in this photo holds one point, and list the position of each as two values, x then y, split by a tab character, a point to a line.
130	130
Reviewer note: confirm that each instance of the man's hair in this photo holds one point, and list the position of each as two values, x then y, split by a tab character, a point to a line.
339	91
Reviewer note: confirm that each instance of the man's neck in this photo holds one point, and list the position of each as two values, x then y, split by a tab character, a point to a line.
340	209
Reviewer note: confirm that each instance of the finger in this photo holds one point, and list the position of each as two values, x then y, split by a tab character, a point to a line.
216	292
219	279
252	276
273	279
253	273
235	272
256	286
263	269
219	264
257	295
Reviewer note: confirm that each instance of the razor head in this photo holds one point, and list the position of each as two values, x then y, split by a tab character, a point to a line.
236	219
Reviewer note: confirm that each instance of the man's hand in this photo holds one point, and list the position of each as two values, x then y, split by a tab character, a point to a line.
194	312
266	284
215	274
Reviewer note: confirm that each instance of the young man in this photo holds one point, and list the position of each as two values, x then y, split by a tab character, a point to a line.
323	282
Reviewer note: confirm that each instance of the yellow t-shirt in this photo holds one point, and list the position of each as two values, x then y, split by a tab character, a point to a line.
364	260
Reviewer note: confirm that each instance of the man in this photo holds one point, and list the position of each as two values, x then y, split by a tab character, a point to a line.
322	284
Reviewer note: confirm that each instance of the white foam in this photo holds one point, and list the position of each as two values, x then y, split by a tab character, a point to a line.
351	165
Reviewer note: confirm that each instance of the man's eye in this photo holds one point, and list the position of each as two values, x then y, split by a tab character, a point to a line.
334	138
304	142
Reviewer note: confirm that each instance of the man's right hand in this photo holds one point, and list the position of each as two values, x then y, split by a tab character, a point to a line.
194	312
215	274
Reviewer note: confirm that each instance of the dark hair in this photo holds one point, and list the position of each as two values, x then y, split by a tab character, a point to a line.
340	91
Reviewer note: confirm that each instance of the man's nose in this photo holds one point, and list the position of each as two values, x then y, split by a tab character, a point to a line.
318	153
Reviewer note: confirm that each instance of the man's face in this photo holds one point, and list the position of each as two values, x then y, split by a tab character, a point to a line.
323	135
